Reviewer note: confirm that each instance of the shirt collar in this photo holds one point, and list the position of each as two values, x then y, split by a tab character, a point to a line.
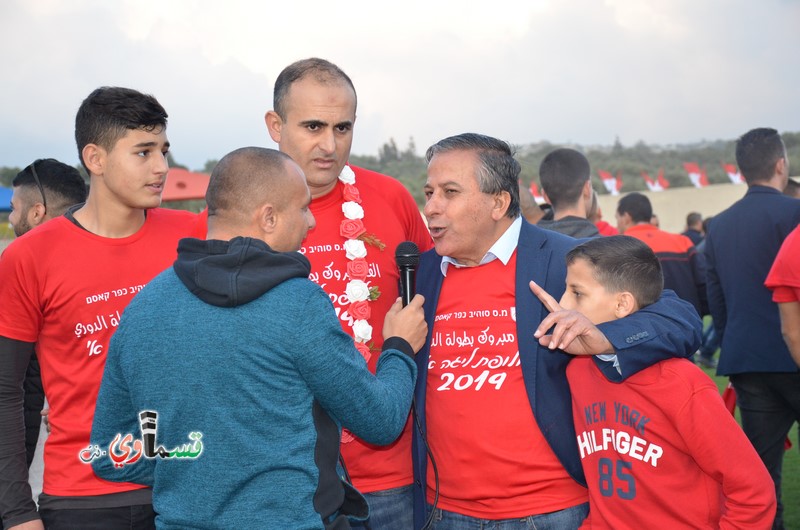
502	249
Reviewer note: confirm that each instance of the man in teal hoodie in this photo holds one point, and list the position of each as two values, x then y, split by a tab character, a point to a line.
235	370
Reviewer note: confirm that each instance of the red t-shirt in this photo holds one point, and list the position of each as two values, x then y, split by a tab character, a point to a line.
784	277
660	450
391	215
606	229
65	289
492	460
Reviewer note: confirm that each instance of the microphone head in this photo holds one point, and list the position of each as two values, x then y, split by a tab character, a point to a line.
407	254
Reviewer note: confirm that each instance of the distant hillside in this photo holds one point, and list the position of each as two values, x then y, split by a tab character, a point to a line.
409	167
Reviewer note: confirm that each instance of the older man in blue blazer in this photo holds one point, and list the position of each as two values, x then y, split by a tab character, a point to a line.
492	402
741	245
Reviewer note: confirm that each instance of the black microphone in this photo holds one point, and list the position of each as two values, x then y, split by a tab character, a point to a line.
407	257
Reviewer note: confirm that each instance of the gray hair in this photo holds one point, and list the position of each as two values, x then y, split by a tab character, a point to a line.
497	169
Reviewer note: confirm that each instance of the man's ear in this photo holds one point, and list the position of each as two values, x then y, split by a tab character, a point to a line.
501	202
625	304
624	221
37	214
782	166
274	124
587	191
267	218
94	157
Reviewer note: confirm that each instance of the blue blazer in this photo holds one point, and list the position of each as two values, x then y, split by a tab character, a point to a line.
741	245
669	328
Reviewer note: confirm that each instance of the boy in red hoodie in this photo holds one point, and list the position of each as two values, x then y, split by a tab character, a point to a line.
659	450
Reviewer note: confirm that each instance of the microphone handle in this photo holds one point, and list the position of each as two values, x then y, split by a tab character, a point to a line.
407	277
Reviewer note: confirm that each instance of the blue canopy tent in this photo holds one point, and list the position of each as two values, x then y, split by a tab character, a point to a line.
5	199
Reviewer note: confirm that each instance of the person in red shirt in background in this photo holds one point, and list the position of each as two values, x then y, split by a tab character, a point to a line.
596	216
684	268
361	218
784	281
650	445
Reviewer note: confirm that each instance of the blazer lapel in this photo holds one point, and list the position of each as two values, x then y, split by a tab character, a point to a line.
532	264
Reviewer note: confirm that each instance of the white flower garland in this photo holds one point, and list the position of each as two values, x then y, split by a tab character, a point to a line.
357	290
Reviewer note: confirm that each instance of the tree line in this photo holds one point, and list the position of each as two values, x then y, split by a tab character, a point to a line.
409	167
630	162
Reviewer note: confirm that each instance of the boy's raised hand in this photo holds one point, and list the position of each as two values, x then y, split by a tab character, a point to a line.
573	332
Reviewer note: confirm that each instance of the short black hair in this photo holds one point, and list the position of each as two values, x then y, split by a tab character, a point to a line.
757	152
63	184
497	169
108	113
622	263
323	72
693	218
563	173
637	205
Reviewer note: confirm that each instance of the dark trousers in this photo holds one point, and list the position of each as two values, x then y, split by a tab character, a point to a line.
769	405
140	517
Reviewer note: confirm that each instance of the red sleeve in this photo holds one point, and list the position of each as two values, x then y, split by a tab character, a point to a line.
201	227
18	290
782	294
721	449
417	230
401	201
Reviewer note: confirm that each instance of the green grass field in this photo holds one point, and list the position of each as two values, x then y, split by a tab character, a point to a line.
791	469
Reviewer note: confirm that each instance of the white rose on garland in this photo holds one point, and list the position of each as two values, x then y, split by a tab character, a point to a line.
362	331
352	210
347	176
355	248
357	291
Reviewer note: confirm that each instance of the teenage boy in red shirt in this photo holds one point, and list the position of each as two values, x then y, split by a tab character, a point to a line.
64	287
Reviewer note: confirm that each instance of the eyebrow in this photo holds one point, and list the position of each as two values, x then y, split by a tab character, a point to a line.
445	184
312	122
321	123
150	144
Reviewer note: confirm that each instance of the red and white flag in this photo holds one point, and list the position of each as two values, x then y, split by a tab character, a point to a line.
733	173
536	195
612	184
663	182
652	185
696	175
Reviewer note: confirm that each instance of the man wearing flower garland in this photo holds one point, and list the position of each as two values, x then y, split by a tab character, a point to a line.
361	218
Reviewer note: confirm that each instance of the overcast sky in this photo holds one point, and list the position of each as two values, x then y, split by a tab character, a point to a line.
568	71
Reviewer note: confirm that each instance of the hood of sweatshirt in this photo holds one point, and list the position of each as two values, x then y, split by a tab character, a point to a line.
233	273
